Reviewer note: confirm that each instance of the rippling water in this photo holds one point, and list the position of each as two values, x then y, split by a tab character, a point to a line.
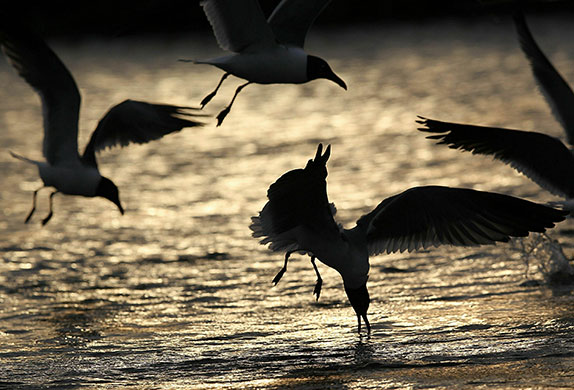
177	294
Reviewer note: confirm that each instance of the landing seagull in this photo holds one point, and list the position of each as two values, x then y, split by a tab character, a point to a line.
266	52
544	159
128	122
299	218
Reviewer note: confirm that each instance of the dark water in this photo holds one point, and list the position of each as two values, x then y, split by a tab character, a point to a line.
177	294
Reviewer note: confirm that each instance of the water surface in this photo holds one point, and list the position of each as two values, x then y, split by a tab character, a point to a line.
177	294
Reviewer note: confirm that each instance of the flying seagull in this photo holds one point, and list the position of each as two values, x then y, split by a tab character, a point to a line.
299	218
544	159
128	122
265	51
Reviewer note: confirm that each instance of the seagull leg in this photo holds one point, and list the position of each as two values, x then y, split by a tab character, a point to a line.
367	324
45	220
221	116
33	204
319	284
208	98
279	275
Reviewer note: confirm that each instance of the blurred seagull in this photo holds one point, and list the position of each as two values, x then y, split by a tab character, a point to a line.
128	122
544	159
299	218
266	52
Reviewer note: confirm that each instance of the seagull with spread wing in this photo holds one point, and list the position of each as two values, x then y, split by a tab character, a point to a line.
299	218
265	51
544	159
128	122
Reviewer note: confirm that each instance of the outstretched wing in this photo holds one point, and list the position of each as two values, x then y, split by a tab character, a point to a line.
543	159
434	215
136	122
292	19
557	92
44	71
238	25
297	204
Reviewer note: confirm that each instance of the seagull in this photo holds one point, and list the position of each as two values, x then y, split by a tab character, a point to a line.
299	218
265	52
544	159
128	122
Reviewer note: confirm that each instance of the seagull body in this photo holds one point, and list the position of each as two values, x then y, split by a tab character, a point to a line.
266	51
71	178
544	159
128	122
299	218
79	180
279	64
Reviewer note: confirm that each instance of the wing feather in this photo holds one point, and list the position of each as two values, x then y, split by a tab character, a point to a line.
238	25
292	19
297	204
36	63
434	215
542	158
136	122
555	89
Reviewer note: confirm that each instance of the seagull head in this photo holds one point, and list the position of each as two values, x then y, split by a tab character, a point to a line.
359	298
107	189
317	68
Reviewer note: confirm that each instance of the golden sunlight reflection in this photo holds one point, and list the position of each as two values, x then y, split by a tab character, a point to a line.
177	294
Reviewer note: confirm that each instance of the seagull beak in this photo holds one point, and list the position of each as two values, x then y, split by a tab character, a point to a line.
337	80
107	189
115	199
359	298
120	207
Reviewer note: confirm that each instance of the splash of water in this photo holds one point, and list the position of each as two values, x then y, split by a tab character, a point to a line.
548	255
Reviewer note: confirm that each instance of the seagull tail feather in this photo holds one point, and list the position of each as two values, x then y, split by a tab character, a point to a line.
196	61
189	60
22	158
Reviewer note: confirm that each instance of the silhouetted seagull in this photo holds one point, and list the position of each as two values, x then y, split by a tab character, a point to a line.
544	159
299	218
128	122
266	52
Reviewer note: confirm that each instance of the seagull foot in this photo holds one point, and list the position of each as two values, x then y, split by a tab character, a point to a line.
279	275
30	214
48	217
221	116
317	289
207	99
34	196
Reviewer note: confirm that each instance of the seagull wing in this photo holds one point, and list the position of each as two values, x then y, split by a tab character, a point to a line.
557	92
238	25
44	71
297	206
431	216
135	122
543	159
292	19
